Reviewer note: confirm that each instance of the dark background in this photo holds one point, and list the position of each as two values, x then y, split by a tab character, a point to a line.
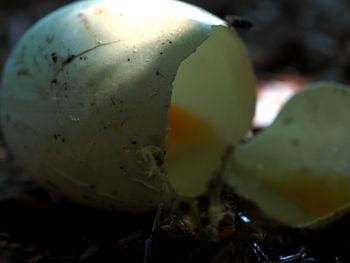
310	38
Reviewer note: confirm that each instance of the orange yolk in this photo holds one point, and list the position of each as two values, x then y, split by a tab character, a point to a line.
317	194
194	151
186	129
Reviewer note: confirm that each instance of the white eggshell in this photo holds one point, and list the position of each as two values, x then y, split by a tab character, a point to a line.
297	170
86	93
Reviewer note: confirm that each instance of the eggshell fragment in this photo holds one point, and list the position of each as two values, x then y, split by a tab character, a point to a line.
87	91
297	170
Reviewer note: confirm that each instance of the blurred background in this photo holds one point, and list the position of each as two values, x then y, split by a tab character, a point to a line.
309	38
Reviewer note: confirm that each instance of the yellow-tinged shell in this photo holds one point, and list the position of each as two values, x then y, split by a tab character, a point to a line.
298	169
87	100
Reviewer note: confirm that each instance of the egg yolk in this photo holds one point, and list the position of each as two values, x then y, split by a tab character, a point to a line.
186	129
317	194
194	151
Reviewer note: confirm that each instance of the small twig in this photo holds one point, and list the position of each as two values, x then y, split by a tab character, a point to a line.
240	23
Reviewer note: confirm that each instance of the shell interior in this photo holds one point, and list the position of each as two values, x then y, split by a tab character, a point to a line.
219	93
297	170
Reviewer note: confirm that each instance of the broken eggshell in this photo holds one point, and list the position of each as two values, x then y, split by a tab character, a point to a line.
99	94
297	170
